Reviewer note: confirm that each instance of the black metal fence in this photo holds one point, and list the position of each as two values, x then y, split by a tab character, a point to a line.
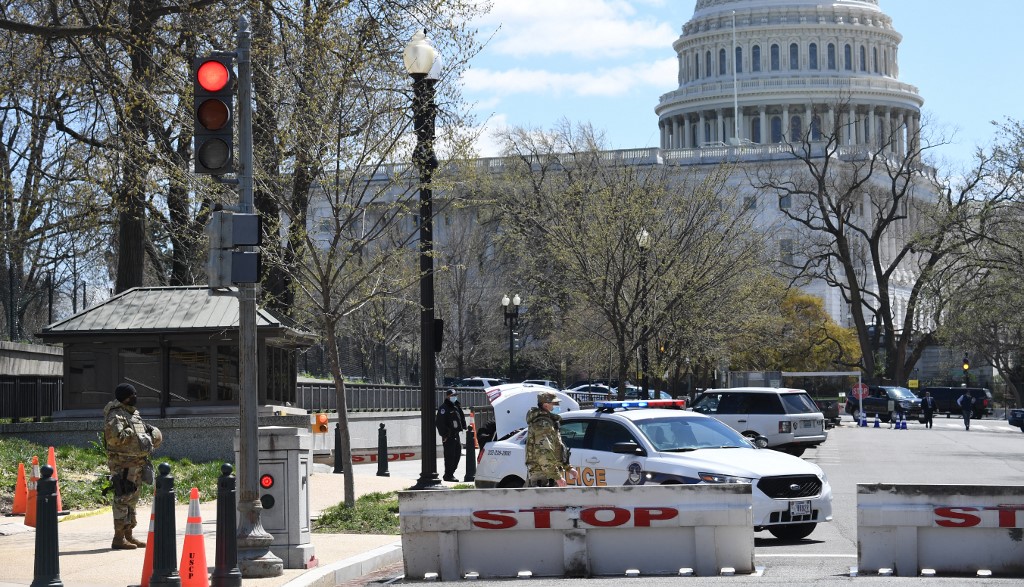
320	396
29	397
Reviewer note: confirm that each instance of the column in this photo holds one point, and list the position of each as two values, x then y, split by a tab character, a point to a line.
785	124
851	137
720	125
902	135
763	113
871	130
701	121
830	122
675	133
685	142
809	121
741	125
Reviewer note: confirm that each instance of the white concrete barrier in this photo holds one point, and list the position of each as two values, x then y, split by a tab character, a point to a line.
577	531
955	529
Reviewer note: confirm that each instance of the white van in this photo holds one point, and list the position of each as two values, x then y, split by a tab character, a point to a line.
787	419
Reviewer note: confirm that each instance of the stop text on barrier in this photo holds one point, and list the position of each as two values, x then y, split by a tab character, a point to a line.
566	517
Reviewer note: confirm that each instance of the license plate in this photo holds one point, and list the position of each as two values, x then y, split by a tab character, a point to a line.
800	508
808	424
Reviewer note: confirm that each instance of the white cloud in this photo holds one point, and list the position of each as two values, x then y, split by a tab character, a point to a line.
592	29
614	81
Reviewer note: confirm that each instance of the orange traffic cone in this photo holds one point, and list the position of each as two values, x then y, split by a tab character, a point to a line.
51	460
33	483
193	571
20	493
147	561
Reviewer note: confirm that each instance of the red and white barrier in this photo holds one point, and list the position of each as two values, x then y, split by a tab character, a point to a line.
577	531
954	529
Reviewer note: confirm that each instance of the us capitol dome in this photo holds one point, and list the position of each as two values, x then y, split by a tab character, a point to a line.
771	71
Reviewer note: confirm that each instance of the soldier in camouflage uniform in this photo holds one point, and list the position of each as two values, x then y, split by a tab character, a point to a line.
547	457
129	442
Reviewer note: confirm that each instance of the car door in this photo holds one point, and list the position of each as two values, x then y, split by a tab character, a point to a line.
732	410
597	464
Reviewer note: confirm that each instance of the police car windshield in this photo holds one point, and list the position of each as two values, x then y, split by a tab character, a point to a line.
686	434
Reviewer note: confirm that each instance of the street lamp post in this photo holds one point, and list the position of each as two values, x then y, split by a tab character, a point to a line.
643	242
423	64
511	320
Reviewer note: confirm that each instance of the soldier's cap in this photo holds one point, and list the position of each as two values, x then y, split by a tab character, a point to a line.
546	397
124	391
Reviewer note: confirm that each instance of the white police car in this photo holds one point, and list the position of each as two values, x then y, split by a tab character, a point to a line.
643	442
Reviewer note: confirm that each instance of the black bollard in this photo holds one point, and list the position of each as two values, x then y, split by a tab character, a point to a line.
382	452
338	468
47	564
225	571
165	551
470	454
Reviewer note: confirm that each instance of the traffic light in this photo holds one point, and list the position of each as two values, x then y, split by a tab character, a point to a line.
213	84
267	500
320	423
225	265
967	363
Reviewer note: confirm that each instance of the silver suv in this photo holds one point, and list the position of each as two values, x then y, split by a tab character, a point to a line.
782	419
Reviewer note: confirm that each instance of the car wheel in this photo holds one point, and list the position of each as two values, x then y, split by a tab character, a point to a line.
511	483
795	451
759	441
792	531
886	417
856	415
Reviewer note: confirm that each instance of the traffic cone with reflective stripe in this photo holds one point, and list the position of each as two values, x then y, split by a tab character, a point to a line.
33	484
193	571
51	460
20	493
147	561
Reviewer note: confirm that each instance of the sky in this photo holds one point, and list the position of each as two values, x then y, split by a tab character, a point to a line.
606	62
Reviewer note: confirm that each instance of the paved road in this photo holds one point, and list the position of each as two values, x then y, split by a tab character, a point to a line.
988	454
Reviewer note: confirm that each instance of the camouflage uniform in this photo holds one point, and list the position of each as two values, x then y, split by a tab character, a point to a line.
547	457
129	442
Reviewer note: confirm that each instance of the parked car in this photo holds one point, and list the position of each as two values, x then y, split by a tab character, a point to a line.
1017	418
783	419
591	392
830	409
876	403
544	382
479	382
620	443
634	393
945	400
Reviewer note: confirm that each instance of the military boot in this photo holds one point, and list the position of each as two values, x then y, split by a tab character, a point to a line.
120	542
129	538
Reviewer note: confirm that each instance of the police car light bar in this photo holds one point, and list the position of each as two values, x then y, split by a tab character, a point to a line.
655	403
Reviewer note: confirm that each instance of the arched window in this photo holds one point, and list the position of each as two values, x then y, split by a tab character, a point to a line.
794	56
874	58
721	62
863	58
775	57
831	56
796	129
707	64
755	129
739	60
812	54
694	133
707	132
696	67
776	129
816	128
755	58
848	58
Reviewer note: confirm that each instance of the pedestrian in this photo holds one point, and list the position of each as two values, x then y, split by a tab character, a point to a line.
547	457
890	407
928	408
450	422
966	403
129	442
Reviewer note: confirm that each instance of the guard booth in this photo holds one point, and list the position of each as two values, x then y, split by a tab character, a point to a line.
285	464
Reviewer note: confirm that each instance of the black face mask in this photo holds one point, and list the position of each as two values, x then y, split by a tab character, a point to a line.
132	400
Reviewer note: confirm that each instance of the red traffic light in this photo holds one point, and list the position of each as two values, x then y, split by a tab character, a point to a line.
320	423
213	76
266	481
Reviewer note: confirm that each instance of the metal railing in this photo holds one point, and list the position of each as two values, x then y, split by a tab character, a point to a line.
321	396
29	397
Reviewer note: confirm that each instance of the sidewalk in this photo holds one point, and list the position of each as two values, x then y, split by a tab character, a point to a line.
86	559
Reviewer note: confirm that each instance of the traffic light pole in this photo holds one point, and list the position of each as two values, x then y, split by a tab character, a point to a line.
254	556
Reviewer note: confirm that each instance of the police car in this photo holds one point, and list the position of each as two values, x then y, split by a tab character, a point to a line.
656	442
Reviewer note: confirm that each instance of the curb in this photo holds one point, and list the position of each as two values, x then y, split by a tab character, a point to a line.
350	568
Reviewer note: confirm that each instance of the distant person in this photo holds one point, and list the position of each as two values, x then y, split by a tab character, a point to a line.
928	408
450	422
547	457
129	442
966	403
890	407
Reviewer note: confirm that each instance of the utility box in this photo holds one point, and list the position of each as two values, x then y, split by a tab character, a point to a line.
285	464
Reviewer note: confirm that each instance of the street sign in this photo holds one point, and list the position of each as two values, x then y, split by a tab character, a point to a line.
860	390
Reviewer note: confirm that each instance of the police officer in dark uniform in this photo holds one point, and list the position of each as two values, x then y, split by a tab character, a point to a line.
450	421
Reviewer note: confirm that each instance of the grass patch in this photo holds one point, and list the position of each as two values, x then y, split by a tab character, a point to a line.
375	513
82	474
